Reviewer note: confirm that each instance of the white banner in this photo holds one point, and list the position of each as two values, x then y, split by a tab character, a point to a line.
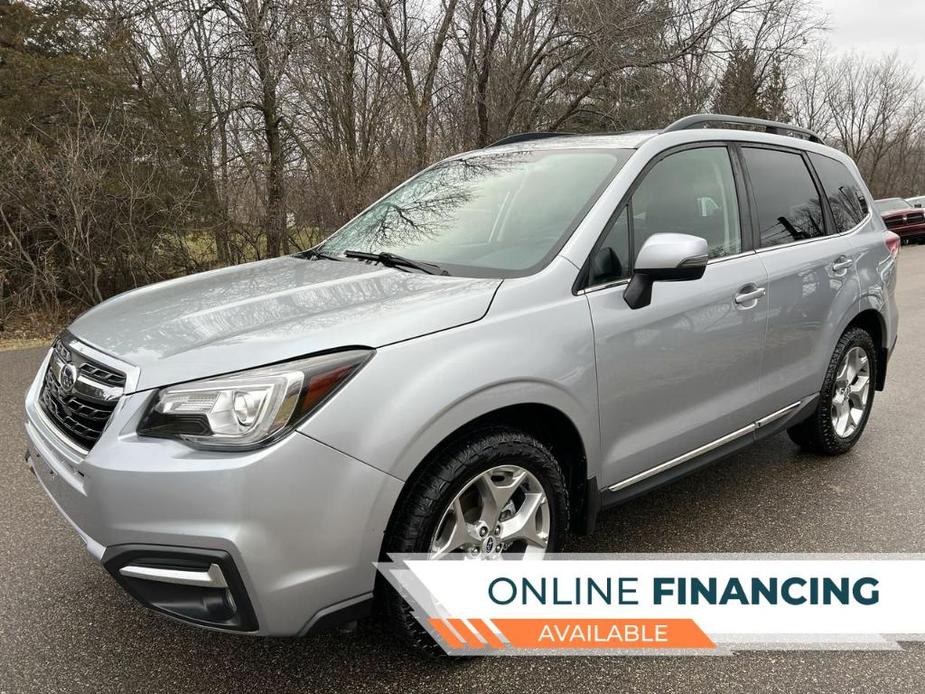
705	603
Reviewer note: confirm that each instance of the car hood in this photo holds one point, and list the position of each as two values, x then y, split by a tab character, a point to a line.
269	311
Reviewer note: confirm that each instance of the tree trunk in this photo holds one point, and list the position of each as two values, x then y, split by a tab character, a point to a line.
277	238
275	223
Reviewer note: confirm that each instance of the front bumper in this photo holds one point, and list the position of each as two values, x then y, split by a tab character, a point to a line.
299	522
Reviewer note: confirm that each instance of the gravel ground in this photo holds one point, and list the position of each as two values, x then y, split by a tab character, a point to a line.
66	627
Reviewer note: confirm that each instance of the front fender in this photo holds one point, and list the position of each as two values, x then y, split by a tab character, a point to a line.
414	394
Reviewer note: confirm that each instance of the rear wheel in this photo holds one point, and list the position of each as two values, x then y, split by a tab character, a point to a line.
845	400
495	492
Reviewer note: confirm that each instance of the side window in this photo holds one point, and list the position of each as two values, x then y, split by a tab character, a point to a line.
789	208
690	192
847	202
611	261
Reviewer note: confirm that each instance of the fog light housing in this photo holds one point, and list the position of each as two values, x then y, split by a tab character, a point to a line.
201	587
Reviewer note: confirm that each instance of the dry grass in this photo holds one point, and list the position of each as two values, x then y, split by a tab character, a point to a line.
23	330
8	345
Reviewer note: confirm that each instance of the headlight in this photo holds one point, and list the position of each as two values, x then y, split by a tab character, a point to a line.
249	408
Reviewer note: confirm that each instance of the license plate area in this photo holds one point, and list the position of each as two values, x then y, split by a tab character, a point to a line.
39	465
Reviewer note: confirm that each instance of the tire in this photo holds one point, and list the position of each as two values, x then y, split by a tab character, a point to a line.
425	507
819	433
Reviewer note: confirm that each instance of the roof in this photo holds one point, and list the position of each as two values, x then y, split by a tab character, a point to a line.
694	123
631	140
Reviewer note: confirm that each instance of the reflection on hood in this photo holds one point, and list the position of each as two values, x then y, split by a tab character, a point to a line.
259	313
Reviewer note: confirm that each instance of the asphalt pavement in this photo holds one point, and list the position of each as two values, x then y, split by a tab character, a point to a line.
65	626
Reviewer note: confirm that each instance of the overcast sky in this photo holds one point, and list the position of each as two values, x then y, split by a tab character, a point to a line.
879	26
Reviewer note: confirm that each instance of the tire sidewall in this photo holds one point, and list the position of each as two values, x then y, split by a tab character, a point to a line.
541	464
853	338
427	497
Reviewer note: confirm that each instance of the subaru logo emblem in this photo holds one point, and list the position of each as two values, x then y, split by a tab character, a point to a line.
67	377
490	544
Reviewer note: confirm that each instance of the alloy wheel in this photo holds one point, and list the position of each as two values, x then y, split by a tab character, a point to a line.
501	510
852	389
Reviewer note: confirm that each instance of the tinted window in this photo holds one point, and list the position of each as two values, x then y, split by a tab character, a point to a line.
611	261
847	202
493	213
691	192
788	204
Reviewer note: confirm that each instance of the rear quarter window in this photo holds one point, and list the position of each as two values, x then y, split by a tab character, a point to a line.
847	202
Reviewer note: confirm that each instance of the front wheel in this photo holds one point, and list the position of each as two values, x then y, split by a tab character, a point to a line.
495	492
845	400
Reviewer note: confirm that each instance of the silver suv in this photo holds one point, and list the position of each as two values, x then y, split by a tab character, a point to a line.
478	363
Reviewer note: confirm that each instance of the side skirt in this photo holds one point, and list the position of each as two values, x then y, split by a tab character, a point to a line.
683	465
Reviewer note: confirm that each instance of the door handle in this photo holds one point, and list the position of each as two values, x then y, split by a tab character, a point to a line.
842	263
750	296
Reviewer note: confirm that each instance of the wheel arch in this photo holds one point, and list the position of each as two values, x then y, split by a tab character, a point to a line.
548	424
873	323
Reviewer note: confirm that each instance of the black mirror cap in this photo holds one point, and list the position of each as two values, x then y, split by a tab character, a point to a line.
638	293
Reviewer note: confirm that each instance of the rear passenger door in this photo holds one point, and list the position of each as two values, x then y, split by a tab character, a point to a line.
812	282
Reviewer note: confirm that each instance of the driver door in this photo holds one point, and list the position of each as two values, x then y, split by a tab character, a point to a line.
684	371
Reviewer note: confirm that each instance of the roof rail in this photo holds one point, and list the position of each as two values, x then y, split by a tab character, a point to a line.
526	137
702	120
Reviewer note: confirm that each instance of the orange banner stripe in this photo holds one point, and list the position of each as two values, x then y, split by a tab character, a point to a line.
472	640
603	633
446	633
486	633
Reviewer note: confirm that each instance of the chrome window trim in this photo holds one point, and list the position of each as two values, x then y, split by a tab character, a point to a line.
623	282
724	258
599	287
852	230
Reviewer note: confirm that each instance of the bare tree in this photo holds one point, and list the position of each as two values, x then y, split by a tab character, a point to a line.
419	53
874	110
142	139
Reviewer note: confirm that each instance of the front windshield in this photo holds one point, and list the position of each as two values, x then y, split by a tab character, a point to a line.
891	204
489	214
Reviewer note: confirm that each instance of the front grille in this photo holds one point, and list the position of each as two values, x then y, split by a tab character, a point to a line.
913	217
81	402
102	374
895	222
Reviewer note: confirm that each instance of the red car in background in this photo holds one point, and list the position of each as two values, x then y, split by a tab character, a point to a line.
902	218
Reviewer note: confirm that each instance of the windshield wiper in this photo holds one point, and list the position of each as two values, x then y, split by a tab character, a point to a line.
392	260
312	253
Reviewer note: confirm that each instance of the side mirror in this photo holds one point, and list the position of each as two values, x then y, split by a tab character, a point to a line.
665	258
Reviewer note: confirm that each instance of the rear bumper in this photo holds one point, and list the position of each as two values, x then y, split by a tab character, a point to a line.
912	232
294	527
